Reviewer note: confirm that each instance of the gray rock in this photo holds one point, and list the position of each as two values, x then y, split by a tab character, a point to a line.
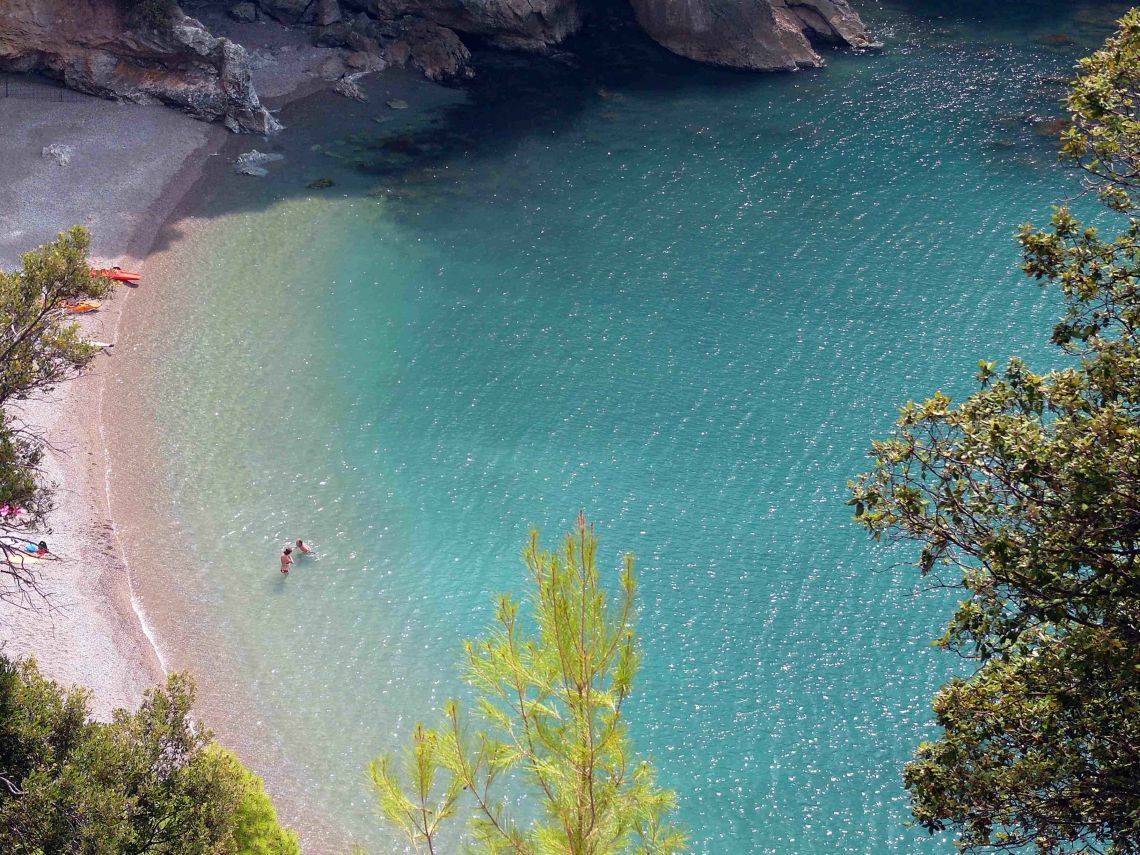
361	43
765	35
434	51
512	24
87	46
253	162
245	13
397	104
290	11
328	12
365	61
334	35
331	67
58	152
756	34
349	88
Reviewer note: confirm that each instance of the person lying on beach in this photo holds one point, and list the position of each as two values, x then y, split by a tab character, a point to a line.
38	549
304	547
286	559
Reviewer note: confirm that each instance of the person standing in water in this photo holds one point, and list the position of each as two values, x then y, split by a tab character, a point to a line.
286	559
304	547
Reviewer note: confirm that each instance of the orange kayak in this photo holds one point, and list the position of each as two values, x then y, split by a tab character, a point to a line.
117	273
82	307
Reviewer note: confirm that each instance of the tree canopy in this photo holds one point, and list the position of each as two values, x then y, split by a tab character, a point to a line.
550	693
1026	497
151	781
39	348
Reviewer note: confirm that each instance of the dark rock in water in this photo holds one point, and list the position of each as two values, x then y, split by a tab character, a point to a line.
245	13
320	184
397	104
1051	126
401	145
92	47
1056	40
764	35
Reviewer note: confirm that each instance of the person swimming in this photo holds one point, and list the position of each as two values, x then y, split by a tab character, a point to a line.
286	559
304	547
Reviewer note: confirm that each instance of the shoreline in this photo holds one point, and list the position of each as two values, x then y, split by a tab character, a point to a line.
132	170
96	635
144	502
119	633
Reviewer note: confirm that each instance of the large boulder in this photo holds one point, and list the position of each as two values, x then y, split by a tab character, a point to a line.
434	51
290	11
92	47
765	35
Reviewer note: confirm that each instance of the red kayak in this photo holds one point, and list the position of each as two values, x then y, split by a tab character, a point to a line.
118	274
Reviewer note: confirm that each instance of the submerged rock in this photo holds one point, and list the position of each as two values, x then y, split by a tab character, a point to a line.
397	103
1056	40
320	184
253	162
1051	126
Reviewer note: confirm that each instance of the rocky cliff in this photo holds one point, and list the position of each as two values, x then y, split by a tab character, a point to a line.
764	35
92	47
96	46
753	34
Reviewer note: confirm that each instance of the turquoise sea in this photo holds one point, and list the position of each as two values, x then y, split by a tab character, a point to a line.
682	299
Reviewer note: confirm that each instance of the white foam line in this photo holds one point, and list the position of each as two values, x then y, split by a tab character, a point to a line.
136	603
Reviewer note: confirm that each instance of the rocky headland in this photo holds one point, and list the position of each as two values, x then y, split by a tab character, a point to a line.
148	51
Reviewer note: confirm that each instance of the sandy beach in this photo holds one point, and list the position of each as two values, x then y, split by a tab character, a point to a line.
117	188
137	178
130	167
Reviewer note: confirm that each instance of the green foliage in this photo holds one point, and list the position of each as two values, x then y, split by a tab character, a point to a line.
151	781
1026	497
550	694
1105	136
39	348
256	828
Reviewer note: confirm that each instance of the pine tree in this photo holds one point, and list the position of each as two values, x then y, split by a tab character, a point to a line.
550	696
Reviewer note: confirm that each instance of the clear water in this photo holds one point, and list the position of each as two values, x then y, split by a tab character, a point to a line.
681	299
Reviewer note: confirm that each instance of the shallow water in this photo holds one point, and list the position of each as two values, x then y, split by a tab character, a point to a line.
683	300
